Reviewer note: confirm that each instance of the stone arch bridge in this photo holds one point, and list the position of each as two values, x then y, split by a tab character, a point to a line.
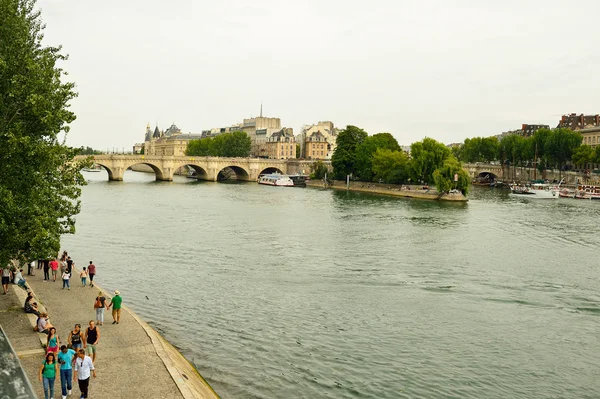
207	168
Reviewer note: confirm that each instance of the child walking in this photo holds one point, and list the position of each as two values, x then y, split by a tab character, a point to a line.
83	276
66	277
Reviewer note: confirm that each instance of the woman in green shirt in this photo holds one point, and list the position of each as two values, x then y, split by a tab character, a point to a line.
48	372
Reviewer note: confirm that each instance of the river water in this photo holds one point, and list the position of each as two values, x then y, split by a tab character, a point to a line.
307	293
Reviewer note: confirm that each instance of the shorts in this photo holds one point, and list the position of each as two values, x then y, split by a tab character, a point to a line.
54	272
116	312
53	349
89	349
5	280
77	345
91	276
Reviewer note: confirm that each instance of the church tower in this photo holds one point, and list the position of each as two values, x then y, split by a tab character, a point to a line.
148	133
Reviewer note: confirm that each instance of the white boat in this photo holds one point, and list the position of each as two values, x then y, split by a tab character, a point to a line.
535	191
276	179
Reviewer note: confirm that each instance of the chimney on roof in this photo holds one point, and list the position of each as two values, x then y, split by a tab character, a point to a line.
582	120
523	126
597	120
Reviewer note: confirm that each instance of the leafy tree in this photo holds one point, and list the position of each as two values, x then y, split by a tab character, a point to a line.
366	149
238	144
444	177
583	155
560	145
199	148
39	181
597	154
298	151
318	170
344	156
235	144
457	151
390	166
539	140
88	151
427	156
480	149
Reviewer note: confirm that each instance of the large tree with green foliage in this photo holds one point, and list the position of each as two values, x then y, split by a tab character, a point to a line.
39	181
444	177
318	170
427	156
583	155
479	149
366	149
344	157
390	166
560	145
235	144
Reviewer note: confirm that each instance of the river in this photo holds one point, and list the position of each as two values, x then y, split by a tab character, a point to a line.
307	293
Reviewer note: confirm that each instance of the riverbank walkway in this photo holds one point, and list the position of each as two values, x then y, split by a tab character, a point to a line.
132	361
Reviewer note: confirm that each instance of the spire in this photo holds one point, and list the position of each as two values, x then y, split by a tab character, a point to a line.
261	108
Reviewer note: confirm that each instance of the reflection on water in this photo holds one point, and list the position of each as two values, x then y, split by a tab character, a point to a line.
305	293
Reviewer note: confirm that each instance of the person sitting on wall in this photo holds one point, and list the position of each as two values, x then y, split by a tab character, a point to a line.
43	325
19	279
30	306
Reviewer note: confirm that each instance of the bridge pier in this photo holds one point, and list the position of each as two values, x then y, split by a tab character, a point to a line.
115	174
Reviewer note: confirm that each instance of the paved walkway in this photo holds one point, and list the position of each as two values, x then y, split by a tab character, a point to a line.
132	361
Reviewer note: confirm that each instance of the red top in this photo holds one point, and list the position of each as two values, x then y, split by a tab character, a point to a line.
92	269
54	265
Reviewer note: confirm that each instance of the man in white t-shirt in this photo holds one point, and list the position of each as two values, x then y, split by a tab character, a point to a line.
83	367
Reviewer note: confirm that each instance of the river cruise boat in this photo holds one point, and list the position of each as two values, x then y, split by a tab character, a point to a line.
535	191
276	179
582	192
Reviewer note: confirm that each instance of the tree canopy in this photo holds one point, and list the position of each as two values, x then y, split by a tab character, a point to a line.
39	181
344	157
443	177
366	149
427	156
390	166
235	144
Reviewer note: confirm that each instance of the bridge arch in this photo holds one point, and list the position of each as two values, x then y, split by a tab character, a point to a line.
110	172
198	172
269	170
227	172
158	172
487	175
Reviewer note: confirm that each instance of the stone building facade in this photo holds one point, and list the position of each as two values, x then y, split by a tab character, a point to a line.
168	142
310	144
316	146
281	144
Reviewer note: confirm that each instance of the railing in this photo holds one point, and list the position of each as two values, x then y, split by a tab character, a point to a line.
14	383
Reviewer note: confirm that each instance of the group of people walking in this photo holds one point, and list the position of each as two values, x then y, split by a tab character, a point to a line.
73	360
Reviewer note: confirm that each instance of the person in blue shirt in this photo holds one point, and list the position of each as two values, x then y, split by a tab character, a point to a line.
65	358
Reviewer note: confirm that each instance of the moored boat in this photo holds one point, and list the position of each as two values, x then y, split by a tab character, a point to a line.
276	179
535	191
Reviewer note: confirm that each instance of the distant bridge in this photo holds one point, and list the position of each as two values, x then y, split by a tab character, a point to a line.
207	168
480	169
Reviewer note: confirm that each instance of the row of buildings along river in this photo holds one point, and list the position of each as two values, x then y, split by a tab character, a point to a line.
268	137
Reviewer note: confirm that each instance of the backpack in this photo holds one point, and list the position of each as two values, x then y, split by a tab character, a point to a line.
98	303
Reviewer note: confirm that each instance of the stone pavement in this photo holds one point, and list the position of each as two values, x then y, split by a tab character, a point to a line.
132	361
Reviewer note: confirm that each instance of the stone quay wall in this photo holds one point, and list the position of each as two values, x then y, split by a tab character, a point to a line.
404	191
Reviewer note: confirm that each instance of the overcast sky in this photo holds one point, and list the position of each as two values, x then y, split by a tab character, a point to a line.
447	69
